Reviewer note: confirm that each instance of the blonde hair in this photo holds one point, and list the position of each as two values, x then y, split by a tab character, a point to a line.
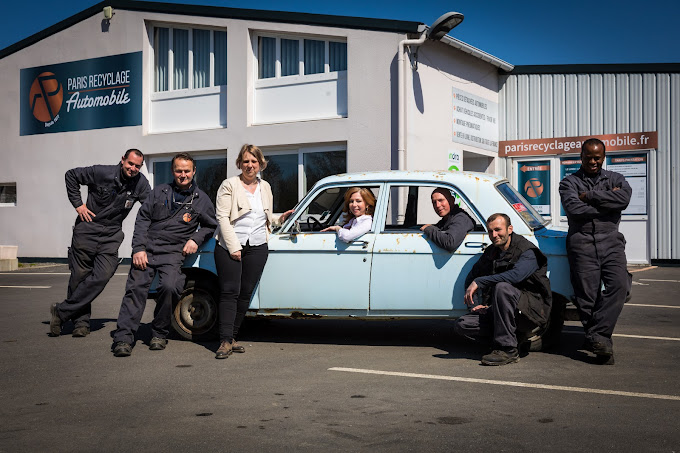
366	195
255	151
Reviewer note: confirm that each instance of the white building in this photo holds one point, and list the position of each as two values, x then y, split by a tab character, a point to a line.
319	94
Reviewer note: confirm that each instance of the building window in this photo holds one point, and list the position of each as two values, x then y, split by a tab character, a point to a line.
287	56
293	173
8	194
189	58
211	170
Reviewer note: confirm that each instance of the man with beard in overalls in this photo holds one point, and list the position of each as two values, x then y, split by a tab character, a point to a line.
508	293
173	222
112	190
593	199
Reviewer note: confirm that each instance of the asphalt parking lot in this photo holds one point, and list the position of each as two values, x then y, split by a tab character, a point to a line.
328	385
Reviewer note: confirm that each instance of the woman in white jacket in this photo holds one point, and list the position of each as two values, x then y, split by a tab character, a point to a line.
244	213
359	208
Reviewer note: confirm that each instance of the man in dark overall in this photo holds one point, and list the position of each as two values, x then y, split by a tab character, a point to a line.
455	224
97	235
508	292
166	229
593	199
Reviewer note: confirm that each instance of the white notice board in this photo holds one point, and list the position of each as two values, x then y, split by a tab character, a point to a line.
634	168
475	120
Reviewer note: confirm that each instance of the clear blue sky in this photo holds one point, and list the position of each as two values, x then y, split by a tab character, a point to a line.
520	32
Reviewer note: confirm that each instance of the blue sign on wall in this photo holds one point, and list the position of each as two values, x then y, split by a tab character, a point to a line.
81	95
533	181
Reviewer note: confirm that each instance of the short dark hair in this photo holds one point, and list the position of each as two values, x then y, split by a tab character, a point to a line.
493	217
134	151
183	156
593	142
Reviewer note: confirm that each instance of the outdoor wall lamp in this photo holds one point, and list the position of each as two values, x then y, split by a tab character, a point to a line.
444	25
108	12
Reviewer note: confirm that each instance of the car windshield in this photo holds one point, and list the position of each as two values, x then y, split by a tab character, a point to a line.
527	212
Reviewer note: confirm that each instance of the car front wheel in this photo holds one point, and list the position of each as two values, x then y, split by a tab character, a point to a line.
195	315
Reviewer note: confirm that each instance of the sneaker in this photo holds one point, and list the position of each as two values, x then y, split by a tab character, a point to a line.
224	350
157	344
122	349
81	331
235	347
500	357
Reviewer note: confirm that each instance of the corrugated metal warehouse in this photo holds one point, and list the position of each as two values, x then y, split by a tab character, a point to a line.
541	102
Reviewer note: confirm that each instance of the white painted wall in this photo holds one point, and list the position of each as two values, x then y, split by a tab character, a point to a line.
301	99
430	106
41	222
176	112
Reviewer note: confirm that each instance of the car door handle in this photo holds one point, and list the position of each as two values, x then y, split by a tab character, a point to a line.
364	244
477	245
290	237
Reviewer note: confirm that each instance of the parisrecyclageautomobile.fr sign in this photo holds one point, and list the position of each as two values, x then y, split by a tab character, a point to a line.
80	95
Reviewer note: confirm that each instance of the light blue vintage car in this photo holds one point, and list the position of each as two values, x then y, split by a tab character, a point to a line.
391	272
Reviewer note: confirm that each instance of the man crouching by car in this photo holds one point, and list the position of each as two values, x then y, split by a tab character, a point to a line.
508	292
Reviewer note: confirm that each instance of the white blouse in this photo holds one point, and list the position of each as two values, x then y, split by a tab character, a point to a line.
356	227
252	226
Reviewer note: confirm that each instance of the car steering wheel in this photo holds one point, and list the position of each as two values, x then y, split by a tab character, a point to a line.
313	223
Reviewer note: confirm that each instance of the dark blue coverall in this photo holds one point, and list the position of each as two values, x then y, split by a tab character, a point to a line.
596	249
165	222
93	255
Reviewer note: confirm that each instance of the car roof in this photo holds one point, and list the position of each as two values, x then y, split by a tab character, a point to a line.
459	178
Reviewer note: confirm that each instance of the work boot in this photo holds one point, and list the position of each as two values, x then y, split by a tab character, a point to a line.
501	357
604	353
235	347
81	331
55	322
122	349
157	344
600	348
224	350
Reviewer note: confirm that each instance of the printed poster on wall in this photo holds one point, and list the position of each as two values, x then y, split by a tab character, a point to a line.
568	166
455	163
634	168
533	181
80	95
475	120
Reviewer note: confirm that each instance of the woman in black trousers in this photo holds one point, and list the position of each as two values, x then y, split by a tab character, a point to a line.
244	214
